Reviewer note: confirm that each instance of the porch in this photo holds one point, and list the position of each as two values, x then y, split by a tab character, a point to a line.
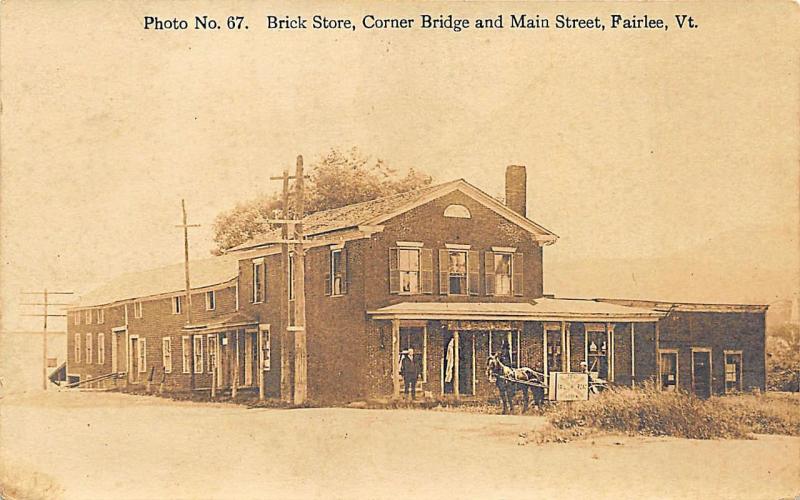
454	340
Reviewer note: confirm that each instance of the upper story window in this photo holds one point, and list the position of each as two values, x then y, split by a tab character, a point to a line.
77	352
336	278
408	265
457	211
76	318
89	346
137	309
459	270
258	280
503	272
101	316
211	300
177	304
88	316
101	348
410	269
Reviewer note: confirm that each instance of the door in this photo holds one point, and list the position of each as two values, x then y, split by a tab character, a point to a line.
133	360
414	338
669	371
250	360
701	373
466	365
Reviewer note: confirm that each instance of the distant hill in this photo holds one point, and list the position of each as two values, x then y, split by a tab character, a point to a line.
752	265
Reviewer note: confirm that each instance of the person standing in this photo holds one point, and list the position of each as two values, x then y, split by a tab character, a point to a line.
410	373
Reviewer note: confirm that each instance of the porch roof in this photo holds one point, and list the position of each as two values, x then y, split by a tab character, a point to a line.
543	309
229	322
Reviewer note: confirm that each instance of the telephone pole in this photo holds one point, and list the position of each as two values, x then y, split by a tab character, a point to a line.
186	227
292	234
44	315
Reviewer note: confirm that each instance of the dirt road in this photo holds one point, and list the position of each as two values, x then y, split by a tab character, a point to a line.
114	446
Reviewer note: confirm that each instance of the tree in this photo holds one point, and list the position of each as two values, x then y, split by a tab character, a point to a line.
337	178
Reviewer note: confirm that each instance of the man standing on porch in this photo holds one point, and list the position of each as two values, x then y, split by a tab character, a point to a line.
410	373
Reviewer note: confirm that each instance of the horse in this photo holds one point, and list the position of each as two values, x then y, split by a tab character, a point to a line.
504	378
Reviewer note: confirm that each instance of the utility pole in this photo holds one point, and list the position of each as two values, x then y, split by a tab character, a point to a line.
300	344
44	315
292	234
186	227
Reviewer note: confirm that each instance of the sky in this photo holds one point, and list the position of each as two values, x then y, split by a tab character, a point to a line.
638	144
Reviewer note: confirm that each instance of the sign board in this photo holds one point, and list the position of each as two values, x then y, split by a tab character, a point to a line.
569	386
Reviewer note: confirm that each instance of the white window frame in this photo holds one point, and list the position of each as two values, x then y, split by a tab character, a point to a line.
266	346
258	280
599	328
166	354
400	270
177	304
137	309
141	348
334	293
451	249
212	351
186	354
197	351
510	256
77	351
671	352
101	348
89	349
101	316
211	304
740	381
88	316
76	319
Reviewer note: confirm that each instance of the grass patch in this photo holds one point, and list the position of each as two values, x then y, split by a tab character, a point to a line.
650	412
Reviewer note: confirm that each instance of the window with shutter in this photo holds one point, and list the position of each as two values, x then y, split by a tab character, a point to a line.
345	271
474	272
336	273
502	273
426	265
488	273
444	275
517	266
394	271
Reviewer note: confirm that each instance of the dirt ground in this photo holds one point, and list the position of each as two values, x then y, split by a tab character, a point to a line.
115	446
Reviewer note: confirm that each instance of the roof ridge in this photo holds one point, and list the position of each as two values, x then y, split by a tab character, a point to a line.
383	198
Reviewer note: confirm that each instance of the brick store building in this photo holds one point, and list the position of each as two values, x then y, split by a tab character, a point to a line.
446	270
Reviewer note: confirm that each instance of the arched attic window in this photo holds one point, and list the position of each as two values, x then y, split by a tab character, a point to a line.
457	211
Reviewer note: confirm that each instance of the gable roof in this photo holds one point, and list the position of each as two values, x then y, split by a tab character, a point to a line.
379	210
163	280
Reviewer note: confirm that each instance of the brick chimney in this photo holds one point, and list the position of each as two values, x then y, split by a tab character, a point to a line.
516	189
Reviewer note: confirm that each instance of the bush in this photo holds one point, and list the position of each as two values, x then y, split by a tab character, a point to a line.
648	411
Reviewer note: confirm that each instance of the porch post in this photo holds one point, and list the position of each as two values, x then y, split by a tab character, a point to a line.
633	355
235	386
544	348
564	348
456	353
395	358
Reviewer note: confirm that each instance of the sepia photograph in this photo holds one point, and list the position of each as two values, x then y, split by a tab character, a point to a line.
373	250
